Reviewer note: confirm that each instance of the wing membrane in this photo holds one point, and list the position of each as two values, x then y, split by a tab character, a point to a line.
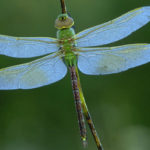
114	30
108	60
37	73
25	47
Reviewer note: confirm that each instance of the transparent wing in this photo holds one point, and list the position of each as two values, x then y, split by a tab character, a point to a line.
25	47
108	60
114	30
34	74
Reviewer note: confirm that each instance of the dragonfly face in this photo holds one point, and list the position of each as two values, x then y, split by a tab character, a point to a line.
64	21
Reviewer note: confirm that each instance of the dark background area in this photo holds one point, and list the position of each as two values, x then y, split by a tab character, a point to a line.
45	118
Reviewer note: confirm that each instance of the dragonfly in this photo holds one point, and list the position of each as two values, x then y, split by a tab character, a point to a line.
70	51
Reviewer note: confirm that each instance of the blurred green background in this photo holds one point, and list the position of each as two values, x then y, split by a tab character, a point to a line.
45	118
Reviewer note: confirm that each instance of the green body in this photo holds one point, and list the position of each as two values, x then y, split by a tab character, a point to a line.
67	43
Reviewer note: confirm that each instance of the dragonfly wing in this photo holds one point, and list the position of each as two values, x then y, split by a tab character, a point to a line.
34	74
114	30
25	47
108	60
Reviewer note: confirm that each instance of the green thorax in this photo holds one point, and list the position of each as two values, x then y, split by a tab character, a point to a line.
66	37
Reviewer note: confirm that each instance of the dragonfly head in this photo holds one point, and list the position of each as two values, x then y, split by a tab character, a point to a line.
64	21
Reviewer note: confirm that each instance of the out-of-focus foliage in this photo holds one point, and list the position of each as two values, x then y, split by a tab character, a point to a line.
45	118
